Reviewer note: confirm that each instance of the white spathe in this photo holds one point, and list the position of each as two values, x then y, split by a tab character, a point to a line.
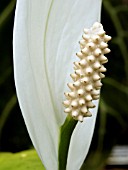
46	35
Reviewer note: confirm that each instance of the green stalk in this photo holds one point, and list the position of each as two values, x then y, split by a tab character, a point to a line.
66	131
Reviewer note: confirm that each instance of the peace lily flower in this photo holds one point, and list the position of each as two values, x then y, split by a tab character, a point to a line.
45	42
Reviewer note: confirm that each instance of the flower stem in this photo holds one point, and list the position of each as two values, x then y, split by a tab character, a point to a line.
66	131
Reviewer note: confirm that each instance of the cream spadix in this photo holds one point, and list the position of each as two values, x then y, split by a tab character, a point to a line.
93	47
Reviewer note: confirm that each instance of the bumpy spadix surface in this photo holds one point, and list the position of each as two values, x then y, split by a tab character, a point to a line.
87	72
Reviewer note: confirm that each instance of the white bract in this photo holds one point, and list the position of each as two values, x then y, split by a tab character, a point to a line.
46	35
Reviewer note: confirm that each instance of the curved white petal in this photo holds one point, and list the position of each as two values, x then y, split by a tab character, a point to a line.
81	140
46	33
31	79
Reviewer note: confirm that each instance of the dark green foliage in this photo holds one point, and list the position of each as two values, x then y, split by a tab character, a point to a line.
12	128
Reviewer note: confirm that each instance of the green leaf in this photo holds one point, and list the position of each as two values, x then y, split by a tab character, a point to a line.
65	136
6	112
6	12
26	160
116	98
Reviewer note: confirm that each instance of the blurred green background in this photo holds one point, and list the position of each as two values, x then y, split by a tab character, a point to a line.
13	134
112	121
